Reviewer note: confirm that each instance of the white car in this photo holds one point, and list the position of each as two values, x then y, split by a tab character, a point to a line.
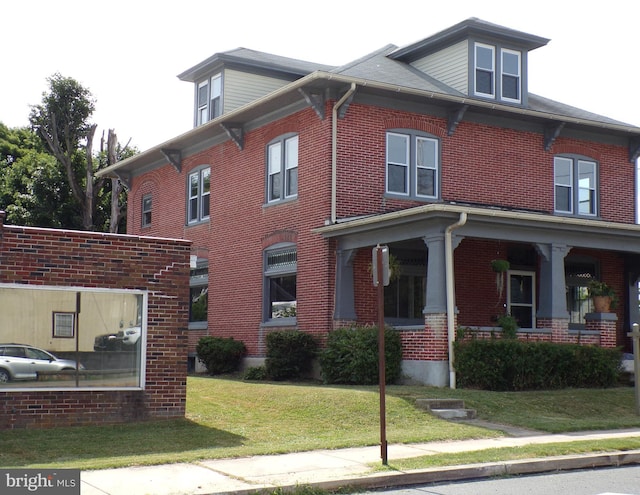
24	362
131	335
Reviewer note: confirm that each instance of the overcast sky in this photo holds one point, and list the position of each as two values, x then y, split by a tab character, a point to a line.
128	53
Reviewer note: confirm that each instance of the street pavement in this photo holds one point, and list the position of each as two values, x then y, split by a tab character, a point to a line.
353	467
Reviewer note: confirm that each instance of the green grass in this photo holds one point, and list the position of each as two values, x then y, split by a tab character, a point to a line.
230	418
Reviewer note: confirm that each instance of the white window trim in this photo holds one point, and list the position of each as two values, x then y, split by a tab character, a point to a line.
215	96
147	207
64	324
407	165
199	174
411	138
518	75
574	187
532	304
281	168
476	68
202	107
274	271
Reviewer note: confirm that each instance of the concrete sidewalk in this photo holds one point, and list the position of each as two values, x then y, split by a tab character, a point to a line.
344	467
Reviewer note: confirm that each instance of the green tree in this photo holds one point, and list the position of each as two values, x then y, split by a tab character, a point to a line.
62	121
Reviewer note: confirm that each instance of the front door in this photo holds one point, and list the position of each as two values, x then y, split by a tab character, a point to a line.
521	301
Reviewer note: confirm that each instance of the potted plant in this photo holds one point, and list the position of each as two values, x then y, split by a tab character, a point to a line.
500	267
602	295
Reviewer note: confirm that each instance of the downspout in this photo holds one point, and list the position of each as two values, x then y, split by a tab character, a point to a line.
334	151
450	284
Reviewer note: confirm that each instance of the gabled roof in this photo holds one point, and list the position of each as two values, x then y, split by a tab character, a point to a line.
252	59
472	27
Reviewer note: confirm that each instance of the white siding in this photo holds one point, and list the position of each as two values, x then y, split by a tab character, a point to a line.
449	65
240	88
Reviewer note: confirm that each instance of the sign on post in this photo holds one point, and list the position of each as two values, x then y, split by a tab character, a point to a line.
382	251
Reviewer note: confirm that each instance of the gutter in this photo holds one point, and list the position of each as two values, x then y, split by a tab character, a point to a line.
334	151
236	115
451	293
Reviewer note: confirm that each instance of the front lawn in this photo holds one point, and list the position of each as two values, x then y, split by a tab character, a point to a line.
230	418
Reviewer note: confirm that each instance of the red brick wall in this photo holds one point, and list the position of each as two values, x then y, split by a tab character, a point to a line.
480	164
477	162
86	259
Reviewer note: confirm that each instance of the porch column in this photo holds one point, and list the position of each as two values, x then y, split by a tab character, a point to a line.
430	363
552	301
436	298
345	302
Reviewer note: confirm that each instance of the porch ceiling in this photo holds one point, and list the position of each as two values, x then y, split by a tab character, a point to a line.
488	223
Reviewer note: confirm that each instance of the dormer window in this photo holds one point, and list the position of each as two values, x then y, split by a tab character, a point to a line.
510	75
209	99
485	70
509	67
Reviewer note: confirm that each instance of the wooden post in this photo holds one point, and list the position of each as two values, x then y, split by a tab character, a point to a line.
381	278
635	336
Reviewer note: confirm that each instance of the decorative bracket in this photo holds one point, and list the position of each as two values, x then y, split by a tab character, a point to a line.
235	132
125	178
551	132
315	100
174	156
634	149
342	111
455	117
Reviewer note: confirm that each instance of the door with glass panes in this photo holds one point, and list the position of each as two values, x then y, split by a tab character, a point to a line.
521	302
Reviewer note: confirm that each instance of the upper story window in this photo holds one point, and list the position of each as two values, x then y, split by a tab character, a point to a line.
209	99
576	185
508	65
199	191
413	163
282	167
146	210
510	89
485	70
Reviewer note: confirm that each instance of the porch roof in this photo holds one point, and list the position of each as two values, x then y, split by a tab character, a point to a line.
483	222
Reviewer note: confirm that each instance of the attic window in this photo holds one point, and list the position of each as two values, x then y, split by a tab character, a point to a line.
510	75
485	70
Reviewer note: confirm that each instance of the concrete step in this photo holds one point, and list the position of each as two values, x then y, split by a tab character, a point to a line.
446	408
454	413
430	404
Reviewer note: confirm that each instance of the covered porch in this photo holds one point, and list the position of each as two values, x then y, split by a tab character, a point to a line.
445	252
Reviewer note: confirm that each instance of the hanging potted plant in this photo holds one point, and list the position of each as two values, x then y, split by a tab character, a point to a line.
500	267
602	296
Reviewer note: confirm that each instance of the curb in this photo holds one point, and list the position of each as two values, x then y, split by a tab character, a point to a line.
464	472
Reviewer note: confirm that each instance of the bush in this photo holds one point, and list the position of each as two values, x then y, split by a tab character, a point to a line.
508	364
255	373
290	354
351	356
220	355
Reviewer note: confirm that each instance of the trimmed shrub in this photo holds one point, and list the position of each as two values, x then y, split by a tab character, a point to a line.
220	354
290	354
255	373
507	364
351	356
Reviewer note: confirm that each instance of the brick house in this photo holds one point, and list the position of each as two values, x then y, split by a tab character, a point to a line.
294	171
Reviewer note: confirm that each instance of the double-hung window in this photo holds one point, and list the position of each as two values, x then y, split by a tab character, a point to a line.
199	294
209	99
199	191
510	64
146	210
576	185
280	282
412	165
484	70
215	108
282	167
497	76
203	96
